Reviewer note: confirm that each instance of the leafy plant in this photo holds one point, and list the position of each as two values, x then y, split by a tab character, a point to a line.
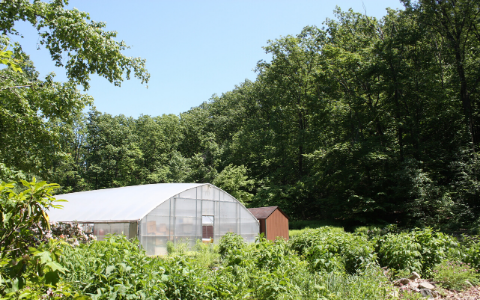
400	252
435	247
114	268
24	216
416	250
230	242
29	261
471	251
330	249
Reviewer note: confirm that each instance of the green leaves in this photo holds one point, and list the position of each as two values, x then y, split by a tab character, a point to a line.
24	214
6	59
88	48
35	112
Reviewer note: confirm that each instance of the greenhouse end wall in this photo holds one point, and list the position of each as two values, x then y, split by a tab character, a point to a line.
203	213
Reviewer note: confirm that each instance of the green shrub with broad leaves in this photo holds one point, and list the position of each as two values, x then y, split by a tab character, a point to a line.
330	249
435	248
114	269
416	250
29	260
230	242
266	270
399	252
471	251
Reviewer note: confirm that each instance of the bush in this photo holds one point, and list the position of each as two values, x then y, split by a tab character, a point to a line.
114	269
417	250
435	247
29	260
399	252
230	241
455	275
471	251
265	270
332	249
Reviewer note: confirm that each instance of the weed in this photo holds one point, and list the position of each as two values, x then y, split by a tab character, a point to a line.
455	275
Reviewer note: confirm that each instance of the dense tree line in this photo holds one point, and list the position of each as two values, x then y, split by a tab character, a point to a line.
362	120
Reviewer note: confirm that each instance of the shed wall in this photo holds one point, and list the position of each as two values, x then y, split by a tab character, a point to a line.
277	226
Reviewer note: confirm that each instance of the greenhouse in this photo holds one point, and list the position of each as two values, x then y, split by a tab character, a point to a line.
158	213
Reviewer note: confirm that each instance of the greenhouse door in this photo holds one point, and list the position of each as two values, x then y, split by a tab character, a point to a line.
207	228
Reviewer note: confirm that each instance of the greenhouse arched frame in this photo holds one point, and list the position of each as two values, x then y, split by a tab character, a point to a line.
158	213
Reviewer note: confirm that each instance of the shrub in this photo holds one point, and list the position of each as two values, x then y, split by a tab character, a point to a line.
230	241
265	270
435	247
114	269
332	249
471	251
399	252
417	250
29	260
455	275
311	237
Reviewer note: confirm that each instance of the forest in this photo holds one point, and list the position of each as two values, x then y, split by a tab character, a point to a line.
361	121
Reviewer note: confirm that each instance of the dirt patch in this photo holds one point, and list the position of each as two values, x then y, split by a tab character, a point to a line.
471	294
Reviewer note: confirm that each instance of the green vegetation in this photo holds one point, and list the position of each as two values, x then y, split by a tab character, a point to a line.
360	123
322	263
455	275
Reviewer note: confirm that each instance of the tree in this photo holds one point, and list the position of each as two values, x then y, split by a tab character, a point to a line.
457	25
113	155
234	180
27	102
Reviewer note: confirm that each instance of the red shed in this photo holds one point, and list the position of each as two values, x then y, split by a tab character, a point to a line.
273	222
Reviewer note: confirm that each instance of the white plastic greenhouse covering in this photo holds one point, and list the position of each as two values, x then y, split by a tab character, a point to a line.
158	213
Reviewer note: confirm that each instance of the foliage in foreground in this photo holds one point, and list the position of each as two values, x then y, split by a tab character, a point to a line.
118	268
28	258
263	270
330	248
324	263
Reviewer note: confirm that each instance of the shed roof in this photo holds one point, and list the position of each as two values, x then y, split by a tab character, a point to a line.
129	203
264	212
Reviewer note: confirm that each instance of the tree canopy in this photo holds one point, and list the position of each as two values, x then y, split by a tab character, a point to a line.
363	120
30	104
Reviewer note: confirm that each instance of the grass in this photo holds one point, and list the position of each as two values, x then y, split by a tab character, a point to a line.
302	224
305	225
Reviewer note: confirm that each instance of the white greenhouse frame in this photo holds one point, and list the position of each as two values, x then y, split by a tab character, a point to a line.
158	213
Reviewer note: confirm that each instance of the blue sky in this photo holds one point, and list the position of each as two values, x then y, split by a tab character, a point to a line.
194	49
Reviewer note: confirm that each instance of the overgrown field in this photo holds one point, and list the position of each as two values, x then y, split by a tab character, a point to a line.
323	263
